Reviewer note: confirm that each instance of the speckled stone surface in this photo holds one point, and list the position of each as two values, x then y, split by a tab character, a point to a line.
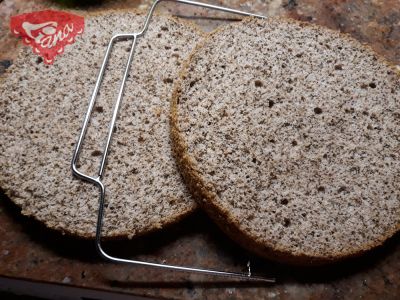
30	251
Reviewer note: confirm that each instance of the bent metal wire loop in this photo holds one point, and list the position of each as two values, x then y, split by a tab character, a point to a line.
98	180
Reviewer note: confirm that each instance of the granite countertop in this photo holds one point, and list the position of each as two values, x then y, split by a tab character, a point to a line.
29	251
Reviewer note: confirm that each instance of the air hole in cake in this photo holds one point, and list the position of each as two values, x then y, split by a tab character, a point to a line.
349	110
96	153
372	85
99	109
318	110
270	103
286	222
284	201
258	83
168	80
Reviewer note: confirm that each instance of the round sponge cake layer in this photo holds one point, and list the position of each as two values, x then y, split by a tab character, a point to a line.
42	108
288	134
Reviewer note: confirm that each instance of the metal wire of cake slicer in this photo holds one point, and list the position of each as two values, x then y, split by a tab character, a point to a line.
98	180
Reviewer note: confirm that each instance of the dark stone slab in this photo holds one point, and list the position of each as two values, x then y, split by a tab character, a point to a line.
374	22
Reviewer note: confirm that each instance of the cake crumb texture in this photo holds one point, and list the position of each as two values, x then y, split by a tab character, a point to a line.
42	109
289	135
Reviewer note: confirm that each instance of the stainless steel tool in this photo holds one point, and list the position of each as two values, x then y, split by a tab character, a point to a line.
98	180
